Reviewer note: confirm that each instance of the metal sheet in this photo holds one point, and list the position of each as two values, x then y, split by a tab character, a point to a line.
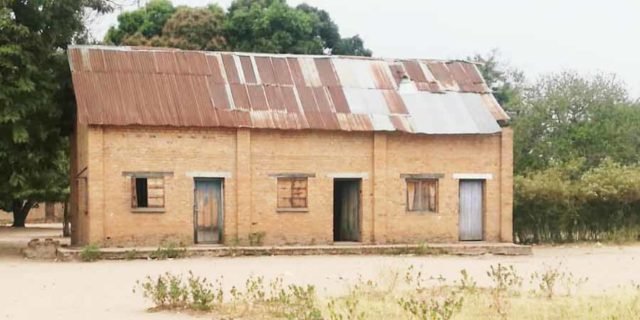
471	207
309	72
247	69
158	86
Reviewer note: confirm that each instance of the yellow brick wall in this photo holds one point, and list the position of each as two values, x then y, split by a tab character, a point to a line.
250	158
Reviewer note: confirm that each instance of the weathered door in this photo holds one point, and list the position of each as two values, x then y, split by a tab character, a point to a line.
471	208
208	215
346	215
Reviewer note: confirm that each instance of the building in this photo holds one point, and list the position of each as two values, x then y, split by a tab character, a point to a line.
235	148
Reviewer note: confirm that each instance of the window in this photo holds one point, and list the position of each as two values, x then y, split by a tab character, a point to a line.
147	192
422	195
292	193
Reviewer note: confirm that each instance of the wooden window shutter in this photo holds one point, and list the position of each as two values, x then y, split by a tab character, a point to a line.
134	196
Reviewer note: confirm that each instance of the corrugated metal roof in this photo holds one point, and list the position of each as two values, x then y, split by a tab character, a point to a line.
169	87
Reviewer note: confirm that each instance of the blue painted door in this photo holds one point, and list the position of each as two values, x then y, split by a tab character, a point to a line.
208	213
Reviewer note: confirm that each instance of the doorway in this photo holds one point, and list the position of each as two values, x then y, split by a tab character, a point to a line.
208	210
471	210
346	209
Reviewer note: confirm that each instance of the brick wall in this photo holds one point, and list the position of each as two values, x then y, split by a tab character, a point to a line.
249	159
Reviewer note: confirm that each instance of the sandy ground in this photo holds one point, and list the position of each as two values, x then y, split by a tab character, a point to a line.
103	290
12	240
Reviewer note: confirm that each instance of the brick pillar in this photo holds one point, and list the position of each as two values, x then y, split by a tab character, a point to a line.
73	196
506	185
379	225
243	184
95	184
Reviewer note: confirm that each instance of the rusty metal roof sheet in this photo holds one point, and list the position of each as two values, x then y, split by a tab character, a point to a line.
169	87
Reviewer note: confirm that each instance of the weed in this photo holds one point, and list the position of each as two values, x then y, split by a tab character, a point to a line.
467	283
505	280
433	307
169	251
256	238
130	254
348	310
90	253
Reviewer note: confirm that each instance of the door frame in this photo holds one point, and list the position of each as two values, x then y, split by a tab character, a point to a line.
220	215
357	180
483	217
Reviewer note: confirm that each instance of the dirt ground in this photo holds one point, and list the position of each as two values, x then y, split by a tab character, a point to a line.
103	290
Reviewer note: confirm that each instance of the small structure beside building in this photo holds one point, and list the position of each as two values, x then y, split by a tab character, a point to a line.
199	147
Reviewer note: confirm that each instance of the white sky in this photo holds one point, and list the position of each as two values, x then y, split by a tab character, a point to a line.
536	36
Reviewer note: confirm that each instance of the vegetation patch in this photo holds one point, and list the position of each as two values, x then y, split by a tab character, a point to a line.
396	295
90	253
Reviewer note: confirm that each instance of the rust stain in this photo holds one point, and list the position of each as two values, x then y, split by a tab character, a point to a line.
394	102
265	69
257	97
281	69
327	74
414	71
230	69
137	86
339	100
381	78
296	71
247	68
240	96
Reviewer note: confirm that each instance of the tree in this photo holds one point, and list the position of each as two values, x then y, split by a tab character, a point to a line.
145	23
507	83
271	26
194	29
35	99
566	116
249	25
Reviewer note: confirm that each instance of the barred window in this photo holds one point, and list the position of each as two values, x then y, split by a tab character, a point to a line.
292	193
422	195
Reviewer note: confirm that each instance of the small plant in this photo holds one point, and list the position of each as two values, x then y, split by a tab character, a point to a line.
504	279
167	291
168	251
435	307
550	279
256	238
130	254
467	283
348	310
90	253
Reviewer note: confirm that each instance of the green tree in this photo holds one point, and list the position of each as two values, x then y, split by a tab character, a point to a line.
35	101
271	26
142	24
195	29
249	25
507	83
566	116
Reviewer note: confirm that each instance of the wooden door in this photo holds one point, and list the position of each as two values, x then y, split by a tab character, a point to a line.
208	213
346	210
471	209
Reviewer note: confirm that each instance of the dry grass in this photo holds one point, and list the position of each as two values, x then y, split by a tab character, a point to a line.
407	294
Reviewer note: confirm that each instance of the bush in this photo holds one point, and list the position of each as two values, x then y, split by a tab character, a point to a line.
90	253
169	251
566	203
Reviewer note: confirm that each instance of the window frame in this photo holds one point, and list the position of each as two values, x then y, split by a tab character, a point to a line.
419	181
292	207
148	176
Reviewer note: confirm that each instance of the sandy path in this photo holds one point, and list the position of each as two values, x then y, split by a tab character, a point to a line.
102	290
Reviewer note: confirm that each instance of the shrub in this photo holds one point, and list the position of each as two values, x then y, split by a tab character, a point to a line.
256	238
90	253
505	281
169	251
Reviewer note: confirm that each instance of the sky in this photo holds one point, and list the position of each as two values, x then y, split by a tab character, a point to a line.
535	36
